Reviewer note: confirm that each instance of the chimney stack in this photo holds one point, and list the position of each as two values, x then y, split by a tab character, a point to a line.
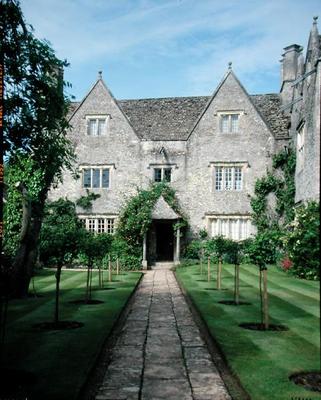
289	71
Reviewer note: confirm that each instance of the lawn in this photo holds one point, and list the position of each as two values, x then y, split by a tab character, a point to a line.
61	360
263	360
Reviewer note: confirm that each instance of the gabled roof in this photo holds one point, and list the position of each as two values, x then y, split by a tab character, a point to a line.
162	210
165	118
173	118
74	106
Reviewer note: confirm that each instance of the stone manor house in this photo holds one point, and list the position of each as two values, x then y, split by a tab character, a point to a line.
210	149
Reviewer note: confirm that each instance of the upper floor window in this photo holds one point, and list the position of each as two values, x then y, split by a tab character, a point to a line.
228	178
300	147
97	177
229	123
96	125
162	174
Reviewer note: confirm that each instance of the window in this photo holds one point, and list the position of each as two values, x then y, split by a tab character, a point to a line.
218	178
98	177
232	227
99	224
162	174
229	123
228	178
300	147
96	125
91	224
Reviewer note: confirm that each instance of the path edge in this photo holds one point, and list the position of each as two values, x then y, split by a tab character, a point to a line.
90	387
231	381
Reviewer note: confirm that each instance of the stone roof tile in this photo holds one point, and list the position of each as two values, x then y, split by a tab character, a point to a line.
172	118
163	119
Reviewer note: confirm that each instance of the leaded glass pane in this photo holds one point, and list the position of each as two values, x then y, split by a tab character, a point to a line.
218	178
101	127
105	178
110	226
167	174
225	123
238	178
91	224
234	123
91	127
157	174
228	178
96	178
100	225
87	178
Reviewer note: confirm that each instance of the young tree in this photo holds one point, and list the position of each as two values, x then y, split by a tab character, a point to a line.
34	127
94	248
233	249
261	253
217	246
60	237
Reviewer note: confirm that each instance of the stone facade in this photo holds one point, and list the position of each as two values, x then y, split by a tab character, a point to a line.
300	95
214	148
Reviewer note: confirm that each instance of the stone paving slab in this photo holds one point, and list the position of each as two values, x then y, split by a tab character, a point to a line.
160	353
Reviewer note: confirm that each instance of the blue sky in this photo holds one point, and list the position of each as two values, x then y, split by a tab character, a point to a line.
165	48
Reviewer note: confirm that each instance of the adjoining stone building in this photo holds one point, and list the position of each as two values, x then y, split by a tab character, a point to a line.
300	94
211	150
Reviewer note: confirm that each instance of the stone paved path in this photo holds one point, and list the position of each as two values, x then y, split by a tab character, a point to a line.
160	354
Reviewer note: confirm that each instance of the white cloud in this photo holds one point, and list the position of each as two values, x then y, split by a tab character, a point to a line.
200	36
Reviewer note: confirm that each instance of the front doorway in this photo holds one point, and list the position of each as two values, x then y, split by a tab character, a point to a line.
164	241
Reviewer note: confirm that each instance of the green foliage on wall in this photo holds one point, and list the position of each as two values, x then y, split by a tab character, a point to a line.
136	218
85	202
280	182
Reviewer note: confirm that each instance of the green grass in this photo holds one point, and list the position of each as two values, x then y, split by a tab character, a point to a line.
61	360
263	360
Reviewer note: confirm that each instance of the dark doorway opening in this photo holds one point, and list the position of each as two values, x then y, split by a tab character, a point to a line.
164	241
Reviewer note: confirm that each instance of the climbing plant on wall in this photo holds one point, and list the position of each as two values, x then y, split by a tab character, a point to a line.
136	218
280	182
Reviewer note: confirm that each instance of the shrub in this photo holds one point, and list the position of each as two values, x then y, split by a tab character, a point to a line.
302	242
192	250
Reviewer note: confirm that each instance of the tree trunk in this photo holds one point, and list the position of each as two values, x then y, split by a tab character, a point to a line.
219	273
26	255
265	300
208	269
109	269
237	284
90	280
100	277
117	265
87	283
261	297
58	275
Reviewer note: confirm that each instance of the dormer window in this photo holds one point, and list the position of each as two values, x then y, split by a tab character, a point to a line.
96	125
229	122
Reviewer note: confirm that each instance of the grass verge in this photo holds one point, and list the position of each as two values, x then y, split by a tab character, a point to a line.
61	360
262	360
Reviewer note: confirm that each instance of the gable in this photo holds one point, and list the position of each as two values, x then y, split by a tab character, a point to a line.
100	101
162	210
175	118
231	96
